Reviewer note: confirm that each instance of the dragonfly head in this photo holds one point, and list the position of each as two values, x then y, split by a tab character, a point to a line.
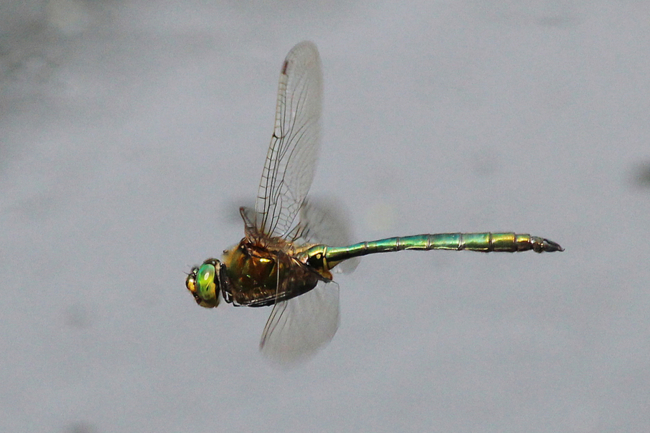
204	283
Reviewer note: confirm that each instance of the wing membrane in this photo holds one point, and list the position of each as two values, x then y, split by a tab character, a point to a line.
291	158
299	327
322	221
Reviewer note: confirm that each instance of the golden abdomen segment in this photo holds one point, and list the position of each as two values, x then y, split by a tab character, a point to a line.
253	278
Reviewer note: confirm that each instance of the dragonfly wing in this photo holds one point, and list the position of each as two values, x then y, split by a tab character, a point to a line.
291	158
323	221
248	215
299	327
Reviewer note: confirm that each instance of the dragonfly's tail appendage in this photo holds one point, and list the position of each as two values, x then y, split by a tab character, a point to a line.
549	246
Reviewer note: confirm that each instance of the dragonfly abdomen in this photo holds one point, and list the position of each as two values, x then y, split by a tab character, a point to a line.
481	242
490	242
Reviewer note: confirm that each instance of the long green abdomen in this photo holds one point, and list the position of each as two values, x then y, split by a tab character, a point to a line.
482	242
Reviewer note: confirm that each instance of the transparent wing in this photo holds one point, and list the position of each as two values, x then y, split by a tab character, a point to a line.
291	159
322	221
299	327
248	215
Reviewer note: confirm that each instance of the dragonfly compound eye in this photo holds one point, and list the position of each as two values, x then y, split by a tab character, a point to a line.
202	282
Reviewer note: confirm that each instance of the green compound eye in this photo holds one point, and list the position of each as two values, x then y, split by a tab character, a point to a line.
205	286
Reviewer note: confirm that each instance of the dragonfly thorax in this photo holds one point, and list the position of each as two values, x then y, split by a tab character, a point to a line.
257	274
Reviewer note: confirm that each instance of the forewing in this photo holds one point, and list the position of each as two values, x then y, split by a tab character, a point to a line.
248	215
291	158
299	327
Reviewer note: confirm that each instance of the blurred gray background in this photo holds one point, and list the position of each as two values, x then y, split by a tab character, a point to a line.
130	132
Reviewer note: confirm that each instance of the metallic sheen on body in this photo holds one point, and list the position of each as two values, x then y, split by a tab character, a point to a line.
291	243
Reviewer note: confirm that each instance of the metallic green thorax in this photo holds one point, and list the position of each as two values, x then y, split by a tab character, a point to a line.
328	257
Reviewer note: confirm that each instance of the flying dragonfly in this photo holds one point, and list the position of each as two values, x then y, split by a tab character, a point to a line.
291	244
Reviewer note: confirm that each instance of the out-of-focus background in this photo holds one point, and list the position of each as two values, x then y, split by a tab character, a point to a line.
130	132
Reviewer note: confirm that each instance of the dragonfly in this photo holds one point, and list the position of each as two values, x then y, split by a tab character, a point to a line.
292	244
